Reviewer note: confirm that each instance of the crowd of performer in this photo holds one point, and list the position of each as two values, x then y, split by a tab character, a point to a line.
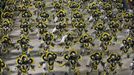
76	22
